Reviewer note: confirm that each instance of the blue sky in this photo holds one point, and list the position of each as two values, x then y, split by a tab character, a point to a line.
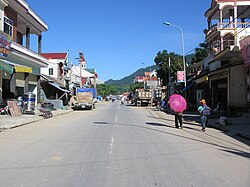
118	37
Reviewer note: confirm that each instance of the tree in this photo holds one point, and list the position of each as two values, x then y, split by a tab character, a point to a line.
201	52
135	86
104	90
162	60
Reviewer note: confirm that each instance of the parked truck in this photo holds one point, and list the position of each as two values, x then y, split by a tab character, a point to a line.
142	97
84	99
157	96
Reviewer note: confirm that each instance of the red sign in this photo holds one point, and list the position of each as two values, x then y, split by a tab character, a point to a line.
245	50
180	76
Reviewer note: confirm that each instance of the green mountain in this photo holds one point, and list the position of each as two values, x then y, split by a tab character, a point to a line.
130	79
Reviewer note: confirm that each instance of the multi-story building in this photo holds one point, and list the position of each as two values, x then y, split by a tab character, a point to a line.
19	65
228	24
57	64
54	81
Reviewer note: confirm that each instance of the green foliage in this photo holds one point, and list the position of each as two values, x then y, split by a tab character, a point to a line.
201	52
104	90
114	89
130	79
134	86
162	60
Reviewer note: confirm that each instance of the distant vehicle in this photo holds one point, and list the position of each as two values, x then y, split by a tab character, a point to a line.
142	97
157	96
113	98
84	98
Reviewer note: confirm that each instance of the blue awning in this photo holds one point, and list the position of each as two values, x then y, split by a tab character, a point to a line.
188	86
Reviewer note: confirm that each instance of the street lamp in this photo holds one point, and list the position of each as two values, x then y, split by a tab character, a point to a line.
183	55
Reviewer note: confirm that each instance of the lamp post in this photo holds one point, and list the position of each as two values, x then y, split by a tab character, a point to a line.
183	55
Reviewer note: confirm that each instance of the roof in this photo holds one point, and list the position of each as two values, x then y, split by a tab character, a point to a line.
150	79
55	55
139	77
76	70
51	79
91	70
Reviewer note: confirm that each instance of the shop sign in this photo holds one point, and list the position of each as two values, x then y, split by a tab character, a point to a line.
5	41
23	69
6	67
180	76
245	50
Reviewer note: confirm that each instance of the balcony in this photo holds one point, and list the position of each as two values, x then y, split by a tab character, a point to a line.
217	47
226	28
25	53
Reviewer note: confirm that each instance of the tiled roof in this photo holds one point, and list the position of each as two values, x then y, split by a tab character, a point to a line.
55	55
150	79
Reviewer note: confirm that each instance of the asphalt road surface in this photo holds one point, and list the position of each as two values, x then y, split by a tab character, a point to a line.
121	146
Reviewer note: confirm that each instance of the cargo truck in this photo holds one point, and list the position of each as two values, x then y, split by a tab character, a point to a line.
142	97
84	98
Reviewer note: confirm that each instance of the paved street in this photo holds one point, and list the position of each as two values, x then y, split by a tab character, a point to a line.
119	145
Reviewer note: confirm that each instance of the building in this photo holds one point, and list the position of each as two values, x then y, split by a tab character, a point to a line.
139	79
82	77
57	66
19	65
228	24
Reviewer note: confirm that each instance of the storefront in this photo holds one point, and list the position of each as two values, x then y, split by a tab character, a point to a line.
6	71
218	82
17	79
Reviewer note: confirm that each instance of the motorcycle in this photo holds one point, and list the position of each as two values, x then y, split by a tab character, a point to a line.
4	110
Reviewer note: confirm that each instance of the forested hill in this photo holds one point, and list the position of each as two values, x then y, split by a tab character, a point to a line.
130	79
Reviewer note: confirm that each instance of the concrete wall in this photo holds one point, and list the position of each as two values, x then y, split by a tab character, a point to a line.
237	87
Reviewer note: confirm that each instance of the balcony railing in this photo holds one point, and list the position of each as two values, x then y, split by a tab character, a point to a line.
229	26
216	47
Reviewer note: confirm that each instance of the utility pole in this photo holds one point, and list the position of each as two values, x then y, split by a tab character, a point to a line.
169	77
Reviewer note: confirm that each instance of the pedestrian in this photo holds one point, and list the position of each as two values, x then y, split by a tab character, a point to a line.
178	119
204	112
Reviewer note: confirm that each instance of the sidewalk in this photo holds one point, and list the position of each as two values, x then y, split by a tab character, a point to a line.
239	126
9	122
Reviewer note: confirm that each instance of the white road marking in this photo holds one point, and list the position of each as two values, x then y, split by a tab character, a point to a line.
116	117
111	146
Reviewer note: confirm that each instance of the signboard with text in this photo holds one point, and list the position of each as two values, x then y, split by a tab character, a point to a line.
5	41
180	76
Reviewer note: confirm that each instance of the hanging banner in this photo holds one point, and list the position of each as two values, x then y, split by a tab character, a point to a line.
180	76
245	50
5	41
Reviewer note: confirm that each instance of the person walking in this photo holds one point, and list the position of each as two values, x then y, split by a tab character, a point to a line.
204	112
178	119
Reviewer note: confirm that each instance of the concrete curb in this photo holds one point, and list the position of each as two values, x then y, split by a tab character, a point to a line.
55	113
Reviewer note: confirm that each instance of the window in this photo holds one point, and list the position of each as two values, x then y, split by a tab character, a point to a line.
50	71
8	26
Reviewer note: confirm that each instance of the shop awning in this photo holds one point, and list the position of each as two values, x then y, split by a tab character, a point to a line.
18	68
6	67
188	86
23	69
58	87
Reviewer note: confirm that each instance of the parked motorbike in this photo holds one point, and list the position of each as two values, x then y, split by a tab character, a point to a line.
4	110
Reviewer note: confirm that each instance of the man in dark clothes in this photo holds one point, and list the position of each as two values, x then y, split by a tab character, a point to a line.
178	118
